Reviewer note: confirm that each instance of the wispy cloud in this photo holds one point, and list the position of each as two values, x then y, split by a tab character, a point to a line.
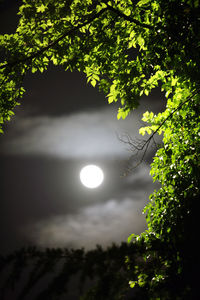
81	136
102	223
85	134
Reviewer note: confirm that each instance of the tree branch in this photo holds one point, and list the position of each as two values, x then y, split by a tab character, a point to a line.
71	31
42	50
128	18
144	144
171	114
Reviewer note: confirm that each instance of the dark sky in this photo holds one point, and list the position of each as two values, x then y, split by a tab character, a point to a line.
62	125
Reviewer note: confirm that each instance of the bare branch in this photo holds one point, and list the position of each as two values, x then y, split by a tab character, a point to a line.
137	145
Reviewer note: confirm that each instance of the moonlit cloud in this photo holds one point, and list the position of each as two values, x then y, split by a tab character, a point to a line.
114	213
80	135
101	223
112	220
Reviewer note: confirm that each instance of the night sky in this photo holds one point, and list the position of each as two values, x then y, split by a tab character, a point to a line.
62	125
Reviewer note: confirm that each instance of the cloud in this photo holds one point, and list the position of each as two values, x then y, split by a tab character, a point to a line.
101	223
80	135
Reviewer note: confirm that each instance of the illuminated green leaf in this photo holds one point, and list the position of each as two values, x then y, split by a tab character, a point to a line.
41	8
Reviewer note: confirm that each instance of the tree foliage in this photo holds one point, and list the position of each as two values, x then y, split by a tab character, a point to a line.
98	274
127	48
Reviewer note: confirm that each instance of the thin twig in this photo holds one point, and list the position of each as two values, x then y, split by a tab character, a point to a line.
171	114
144	144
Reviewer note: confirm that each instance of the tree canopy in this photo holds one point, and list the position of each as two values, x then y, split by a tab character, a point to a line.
127	48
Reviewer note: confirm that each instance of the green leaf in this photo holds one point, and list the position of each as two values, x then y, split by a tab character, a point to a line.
93	82
130	238
140	41
142	130
96	77
142	2
110	99
41	8
122	114
34	70
132	283
174	81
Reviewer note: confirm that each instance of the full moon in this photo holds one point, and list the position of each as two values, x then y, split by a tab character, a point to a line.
91	176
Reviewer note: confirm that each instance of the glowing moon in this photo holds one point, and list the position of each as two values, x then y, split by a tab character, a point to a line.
91	176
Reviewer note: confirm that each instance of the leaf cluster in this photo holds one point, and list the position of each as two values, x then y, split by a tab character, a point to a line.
125	47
